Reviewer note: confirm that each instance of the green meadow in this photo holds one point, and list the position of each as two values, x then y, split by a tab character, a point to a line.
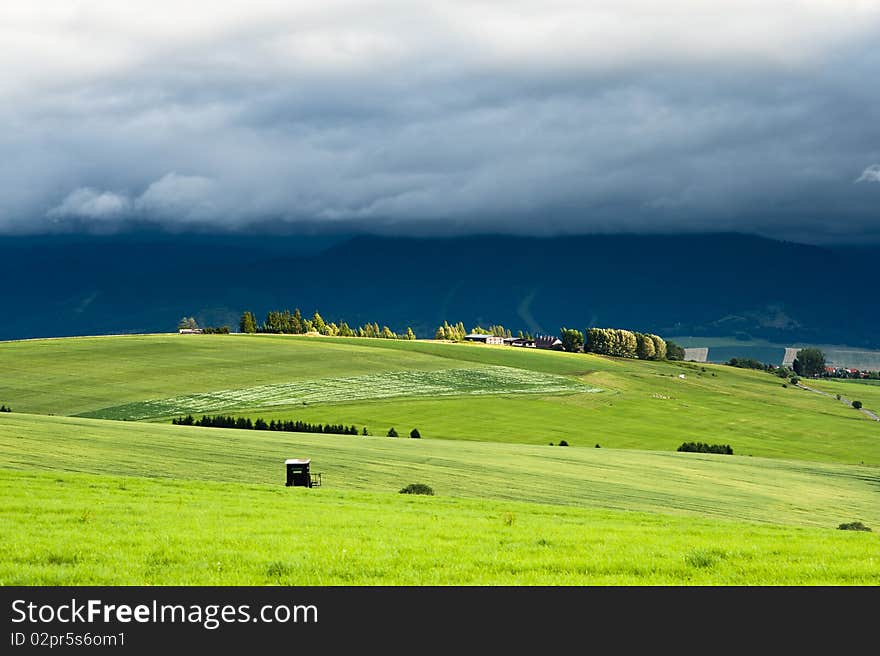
78	529
99	487
452	391
866	391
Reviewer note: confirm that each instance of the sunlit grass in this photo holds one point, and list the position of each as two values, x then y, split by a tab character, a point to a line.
75	529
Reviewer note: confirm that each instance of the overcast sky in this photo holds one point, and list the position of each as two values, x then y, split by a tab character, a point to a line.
416	118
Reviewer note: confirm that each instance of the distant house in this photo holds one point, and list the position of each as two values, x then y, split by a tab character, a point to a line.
484	339
190	331
548	342
519	341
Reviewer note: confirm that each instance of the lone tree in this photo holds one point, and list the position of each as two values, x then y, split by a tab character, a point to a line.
414	433
857	405
392	432
809	362
247	323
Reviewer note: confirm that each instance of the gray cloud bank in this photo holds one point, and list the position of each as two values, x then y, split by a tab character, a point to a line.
537	118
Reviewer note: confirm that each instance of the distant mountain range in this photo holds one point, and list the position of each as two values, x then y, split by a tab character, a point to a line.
732	285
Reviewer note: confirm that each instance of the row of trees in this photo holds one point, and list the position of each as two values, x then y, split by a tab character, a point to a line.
285	322
625	344
290	426
495	331
603	341
457	332
620	343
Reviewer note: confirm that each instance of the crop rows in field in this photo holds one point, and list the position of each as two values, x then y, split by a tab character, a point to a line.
389	384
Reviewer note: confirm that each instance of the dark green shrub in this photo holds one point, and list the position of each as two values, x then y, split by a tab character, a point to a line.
414	433
277	569
597	446
417	488
853	526
795	380
392	432
563	443
857	405
700	447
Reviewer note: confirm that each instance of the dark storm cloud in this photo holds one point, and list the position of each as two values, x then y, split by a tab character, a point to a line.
393	122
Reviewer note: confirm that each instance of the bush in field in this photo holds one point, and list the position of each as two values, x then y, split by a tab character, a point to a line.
673	350
857	405
392	432
4	408
597	446
563	443
745	363
795	380
417	488
700	447
414	433
853	526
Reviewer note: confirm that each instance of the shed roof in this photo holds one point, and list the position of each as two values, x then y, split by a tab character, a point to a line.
297	461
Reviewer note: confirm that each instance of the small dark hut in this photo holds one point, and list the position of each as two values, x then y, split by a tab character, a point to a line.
298	473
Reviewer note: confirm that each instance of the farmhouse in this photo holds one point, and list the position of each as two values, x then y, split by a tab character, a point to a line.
484	339
548	342
541	341
190	331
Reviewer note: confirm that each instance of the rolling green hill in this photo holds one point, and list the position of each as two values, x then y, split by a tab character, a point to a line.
99	487
729	487
454	391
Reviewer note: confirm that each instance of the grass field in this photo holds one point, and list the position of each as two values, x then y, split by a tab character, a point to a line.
866	391
87	499
69	529
728	487
548	397
388	384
